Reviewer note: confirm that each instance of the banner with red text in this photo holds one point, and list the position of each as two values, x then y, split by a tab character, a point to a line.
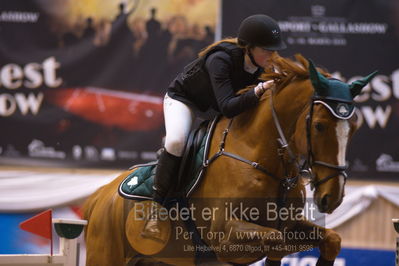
82	84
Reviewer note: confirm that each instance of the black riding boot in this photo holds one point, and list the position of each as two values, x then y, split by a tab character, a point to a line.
167	170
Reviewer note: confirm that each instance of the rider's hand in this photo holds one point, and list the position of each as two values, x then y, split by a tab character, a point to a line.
262	87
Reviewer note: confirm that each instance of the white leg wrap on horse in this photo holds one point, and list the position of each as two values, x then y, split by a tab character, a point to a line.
178	121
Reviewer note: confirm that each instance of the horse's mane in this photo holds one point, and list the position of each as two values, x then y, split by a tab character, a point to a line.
284	70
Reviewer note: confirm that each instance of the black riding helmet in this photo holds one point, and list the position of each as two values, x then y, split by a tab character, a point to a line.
261	30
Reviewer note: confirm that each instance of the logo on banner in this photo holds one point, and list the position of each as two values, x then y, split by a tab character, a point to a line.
37	149
308	260
318	10
148	155
108	154
359	166
128	155
91	153
320	30
77	152
19	17
385	163
11	151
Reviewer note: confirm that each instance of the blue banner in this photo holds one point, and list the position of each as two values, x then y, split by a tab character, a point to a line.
347	257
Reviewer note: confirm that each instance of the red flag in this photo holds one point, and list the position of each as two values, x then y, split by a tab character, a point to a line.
39	224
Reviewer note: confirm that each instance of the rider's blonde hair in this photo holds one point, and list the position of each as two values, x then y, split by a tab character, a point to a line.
204	51
209	47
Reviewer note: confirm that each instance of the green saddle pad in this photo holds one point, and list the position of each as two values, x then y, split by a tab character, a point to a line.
138	185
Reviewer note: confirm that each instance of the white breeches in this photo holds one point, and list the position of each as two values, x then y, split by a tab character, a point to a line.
178	121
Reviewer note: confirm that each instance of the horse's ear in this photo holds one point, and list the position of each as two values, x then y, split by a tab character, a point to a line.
319	82
357	86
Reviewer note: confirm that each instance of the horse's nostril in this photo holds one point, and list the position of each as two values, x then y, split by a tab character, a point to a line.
324	202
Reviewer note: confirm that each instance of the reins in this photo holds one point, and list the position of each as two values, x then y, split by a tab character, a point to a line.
222	152
288	182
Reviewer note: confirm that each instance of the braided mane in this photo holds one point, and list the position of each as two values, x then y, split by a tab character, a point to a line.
286	70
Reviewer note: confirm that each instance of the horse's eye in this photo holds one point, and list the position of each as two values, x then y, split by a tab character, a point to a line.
319	126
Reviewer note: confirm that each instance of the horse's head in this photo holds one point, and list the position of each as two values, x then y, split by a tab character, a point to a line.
322	135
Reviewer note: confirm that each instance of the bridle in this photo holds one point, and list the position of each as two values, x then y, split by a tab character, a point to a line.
310	161
306	169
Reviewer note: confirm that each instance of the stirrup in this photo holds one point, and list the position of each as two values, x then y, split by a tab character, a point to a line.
153	221
135	224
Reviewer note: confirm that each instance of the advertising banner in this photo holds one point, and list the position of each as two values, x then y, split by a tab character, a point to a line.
82	84
350	39
346	257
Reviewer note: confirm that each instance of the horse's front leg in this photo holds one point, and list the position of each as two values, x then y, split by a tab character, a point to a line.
246	242
327	240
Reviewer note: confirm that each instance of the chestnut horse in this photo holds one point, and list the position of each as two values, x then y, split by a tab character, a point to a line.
254	165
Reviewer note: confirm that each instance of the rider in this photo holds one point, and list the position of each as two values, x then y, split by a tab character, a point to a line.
259	36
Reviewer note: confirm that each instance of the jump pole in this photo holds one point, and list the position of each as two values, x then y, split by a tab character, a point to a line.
396	226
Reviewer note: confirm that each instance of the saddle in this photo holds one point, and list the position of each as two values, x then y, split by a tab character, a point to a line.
138	185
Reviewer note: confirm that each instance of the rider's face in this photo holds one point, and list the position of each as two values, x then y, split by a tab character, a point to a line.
261	56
